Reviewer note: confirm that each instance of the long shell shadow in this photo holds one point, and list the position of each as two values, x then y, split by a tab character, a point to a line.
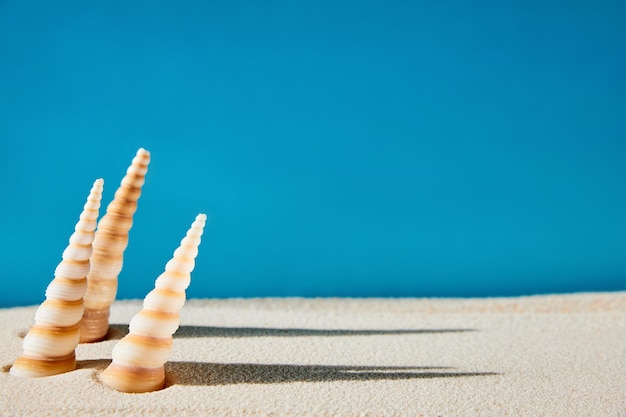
117	331
201	373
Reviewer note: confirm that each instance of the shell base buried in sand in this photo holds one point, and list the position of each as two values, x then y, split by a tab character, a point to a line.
133	379
94	325
25	366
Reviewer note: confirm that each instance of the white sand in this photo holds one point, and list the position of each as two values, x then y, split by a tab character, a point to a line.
534	356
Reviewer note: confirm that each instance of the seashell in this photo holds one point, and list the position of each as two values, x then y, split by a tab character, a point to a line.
108	250
139	357
48	347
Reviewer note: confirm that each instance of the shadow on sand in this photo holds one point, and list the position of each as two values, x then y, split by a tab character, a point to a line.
117	331
199	373
213	374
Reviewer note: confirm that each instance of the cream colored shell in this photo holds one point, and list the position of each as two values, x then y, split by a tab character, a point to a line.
108	250
139	357
48	348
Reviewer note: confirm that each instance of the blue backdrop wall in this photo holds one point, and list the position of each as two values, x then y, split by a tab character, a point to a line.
341	148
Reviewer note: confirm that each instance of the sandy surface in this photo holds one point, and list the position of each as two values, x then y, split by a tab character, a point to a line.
533	356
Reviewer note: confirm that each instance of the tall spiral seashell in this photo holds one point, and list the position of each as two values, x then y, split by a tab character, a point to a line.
108	250
139	357
49	345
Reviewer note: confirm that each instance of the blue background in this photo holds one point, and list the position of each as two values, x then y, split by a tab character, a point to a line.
351	148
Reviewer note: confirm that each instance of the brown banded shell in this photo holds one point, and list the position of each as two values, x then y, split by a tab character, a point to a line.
48	348
139	357
108	250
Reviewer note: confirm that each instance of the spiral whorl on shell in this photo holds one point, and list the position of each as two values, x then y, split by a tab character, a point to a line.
139	357
108	250
50	343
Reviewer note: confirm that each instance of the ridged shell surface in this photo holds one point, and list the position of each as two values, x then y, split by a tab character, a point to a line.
108	250
139	357
48	347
